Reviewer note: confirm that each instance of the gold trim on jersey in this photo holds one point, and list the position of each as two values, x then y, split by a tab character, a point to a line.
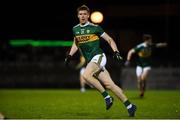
144	54
86	38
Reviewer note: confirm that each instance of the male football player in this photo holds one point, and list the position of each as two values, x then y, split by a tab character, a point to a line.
143	68
87	40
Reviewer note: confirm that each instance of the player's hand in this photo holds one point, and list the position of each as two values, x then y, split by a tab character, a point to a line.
67	60
117	56
127	63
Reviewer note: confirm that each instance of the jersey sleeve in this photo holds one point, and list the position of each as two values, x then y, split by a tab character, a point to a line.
99	30
137	48
73	31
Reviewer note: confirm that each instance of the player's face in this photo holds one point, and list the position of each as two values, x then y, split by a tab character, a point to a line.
149	41
83	16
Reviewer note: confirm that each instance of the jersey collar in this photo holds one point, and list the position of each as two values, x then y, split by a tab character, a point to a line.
87	23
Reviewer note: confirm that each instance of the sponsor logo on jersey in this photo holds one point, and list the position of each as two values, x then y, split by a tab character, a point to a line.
144	53
86	38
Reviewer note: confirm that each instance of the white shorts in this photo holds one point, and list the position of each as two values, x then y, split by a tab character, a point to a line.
140	70
100	59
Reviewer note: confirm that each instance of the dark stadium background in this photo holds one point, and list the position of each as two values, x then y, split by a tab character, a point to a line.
125	21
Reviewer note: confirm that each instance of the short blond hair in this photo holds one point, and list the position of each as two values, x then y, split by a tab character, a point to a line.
83	7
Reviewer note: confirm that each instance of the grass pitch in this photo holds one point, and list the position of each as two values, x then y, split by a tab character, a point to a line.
72	104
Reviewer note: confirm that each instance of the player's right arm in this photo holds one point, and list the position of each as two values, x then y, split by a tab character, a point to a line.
129	55
73	49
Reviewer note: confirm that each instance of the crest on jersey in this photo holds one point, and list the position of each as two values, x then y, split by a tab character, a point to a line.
88	31
82	31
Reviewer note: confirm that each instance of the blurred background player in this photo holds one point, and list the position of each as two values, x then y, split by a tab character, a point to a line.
81	66
143	67
87	41
1	116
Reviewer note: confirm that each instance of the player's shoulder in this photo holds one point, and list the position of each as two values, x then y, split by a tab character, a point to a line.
92	24
141	45
76	26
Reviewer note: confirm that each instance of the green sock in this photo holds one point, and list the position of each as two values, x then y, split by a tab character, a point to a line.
127	103
104	94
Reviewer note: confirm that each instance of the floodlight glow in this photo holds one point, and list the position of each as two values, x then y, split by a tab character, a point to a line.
96	17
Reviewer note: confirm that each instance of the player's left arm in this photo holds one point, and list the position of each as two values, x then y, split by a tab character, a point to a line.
110	41
73	49
113	45
161	44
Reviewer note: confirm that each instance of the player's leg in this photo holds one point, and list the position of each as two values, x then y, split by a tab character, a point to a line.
144	77
82	80
2	116
139	71
82	84
105	78
91	69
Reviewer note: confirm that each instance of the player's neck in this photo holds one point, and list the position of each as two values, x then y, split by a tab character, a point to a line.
84	24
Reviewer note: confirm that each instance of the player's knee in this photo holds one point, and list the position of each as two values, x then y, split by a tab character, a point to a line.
86	76
143	77
109	85
139	78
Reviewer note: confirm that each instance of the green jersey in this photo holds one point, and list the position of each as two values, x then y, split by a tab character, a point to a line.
87	39
144	54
